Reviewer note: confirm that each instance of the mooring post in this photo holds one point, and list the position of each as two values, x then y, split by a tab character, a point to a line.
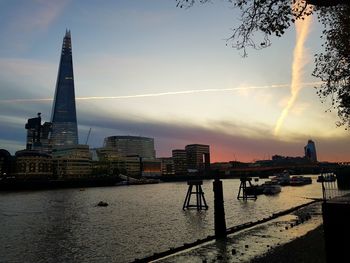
219	210
200	200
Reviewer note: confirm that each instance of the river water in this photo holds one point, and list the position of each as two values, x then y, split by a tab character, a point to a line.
65	225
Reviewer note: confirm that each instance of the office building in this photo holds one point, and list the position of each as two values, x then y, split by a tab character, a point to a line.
179	157
131	145
111	161
64	118
72	162
310	151
167	166
151	168
133	165
198	157
38	135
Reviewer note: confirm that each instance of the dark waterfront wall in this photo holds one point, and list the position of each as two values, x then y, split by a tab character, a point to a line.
336	223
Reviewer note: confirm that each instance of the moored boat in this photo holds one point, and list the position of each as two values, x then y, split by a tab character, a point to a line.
270	188
282	178
298	180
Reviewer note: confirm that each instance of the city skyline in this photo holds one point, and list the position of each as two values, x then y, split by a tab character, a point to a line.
146	73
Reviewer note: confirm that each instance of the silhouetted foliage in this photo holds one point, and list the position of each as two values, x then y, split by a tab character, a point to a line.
333	65
260	19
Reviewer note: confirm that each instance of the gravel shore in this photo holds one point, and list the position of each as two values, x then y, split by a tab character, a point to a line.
309	249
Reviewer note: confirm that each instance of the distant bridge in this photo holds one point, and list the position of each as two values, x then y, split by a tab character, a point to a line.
269	170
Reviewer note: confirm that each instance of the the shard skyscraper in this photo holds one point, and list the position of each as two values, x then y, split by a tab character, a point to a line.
63	117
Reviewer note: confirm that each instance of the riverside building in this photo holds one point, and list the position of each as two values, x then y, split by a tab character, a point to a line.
38	135
179	157
31	164
198	157
72	162
310	151
167	166
131	145
111	161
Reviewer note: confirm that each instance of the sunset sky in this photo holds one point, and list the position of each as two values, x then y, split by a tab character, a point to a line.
148	68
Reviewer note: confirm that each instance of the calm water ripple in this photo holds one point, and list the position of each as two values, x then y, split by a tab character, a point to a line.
66	225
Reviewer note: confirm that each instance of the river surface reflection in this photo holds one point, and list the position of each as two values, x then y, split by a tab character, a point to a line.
66	225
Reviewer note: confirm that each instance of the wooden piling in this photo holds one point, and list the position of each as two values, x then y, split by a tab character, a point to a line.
219	210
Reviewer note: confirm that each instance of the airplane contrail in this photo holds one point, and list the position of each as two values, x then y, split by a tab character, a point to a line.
299	61
163	93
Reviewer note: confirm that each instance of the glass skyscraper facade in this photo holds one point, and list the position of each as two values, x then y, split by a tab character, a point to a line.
310	151
64	118
131	145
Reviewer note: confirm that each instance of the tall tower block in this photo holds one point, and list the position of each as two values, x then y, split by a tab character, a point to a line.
310	151
63	116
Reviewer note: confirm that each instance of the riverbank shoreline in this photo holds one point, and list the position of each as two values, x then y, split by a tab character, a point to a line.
309	248
202	242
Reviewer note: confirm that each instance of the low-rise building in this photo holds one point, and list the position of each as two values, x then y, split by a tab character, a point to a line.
198	157
151	167
72	162
179	157
111	161
32	164
167	166
38	135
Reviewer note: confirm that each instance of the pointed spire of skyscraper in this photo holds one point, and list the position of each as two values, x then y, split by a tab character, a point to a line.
67	33
64	118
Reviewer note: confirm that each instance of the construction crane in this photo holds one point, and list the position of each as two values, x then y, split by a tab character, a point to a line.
87	138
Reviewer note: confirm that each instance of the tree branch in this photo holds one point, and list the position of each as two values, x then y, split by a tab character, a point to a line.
326	3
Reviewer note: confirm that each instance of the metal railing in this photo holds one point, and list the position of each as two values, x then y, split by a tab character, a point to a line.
330	189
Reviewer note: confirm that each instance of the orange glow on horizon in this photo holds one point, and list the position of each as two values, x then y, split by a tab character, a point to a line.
219	153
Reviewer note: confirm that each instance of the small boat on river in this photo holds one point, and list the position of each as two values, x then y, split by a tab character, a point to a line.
271	188
282	178
298	180
268	188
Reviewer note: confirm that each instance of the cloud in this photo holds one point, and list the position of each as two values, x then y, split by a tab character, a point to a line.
40	16
30	18
26	78
229	140
299	62
169	93
299	108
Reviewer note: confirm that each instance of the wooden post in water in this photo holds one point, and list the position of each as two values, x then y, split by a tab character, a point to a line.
219	210
200	200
